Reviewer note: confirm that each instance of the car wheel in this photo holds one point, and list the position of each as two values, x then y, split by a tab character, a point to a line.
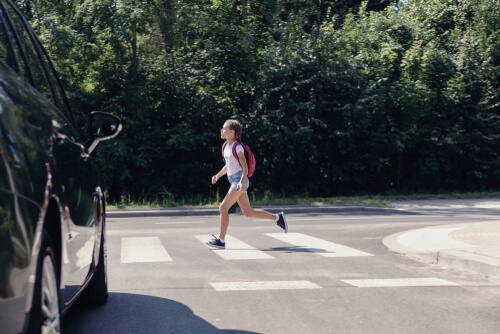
45	311
97	291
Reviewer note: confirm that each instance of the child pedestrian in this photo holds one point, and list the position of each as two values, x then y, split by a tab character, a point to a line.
237	172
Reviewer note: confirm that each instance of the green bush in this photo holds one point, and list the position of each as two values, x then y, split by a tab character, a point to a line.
375	97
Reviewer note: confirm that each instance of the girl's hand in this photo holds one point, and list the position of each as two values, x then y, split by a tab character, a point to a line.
240	187
214	179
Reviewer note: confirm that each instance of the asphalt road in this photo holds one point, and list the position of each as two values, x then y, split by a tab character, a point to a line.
329	274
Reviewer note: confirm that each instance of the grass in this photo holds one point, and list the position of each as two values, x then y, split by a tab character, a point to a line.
268	200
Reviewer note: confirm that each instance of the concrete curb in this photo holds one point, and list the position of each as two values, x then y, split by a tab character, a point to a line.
132	213
321	208
459	259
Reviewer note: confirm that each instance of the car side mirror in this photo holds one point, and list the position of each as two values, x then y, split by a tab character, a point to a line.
102	126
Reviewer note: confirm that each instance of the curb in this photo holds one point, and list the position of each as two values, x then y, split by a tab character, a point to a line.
453	259
321	208
458	259
131	213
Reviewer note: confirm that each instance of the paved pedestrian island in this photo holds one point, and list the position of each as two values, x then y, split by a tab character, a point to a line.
473	247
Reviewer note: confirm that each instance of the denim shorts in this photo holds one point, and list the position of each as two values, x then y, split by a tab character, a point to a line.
235	179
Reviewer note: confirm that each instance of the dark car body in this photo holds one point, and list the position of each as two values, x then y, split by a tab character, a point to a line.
52	208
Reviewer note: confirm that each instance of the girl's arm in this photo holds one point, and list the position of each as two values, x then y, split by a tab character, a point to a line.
217	176
243	163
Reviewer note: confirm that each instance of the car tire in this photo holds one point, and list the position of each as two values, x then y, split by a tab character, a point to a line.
45	314
97	290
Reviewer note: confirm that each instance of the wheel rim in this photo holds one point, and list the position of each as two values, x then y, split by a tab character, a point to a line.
105	252
50	298
105	258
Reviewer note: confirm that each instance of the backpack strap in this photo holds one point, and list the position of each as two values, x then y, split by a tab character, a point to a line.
234	151
223	147
236	143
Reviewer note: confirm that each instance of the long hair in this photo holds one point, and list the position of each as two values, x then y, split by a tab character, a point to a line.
236	127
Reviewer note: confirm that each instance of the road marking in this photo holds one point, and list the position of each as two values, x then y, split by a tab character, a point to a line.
264	285
474	235
318	246
179	223
236	249
399	282
145	249
431	239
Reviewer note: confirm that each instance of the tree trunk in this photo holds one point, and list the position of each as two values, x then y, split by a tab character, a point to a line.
134	64
233	9
166	18
267	17
244	11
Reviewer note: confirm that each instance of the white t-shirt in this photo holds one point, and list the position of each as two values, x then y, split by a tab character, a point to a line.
233	165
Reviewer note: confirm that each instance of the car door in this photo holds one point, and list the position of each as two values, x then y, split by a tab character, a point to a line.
70	167
20	208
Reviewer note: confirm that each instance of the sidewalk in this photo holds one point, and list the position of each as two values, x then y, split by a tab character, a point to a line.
474	247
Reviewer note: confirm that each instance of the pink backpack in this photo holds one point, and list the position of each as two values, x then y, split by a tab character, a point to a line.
248	156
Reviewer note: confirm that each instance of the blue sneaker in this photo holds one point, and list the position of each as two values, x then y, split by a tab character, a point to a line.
281	222
215	242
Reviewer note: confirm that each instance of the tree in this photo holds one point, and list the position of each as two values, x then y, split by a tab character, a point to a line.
338	96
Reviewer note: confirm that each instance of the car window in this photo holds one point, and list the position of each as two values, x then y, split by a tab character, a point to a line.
59	96
34	64
6	51
26	47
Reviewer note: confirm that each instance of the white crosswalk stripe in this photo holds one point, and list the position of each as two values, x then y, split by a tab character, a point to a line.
150	249
318	246
236	249
264	285
399	282
144	249
179	223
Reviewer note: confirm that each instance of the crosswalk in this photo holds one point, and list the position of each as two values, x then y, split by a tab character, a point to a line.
317	246
152	250
237	249
145	249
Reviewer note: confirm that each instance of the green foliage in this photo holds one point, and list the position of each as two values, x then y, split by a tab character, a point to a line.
337	97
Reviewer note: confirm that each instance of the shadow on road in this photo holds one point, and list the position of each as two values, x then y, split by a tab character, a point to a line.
134	313
296	249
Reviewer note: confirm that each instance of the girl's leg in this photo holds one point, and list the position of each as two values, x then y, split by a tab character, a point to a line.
231	198
244	204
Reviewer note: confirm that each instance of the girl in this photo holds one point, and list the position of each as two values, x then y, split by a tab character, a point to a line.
237	172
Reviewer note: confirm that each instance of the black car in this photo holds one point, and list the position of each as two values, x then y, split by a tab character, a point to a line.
52	213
